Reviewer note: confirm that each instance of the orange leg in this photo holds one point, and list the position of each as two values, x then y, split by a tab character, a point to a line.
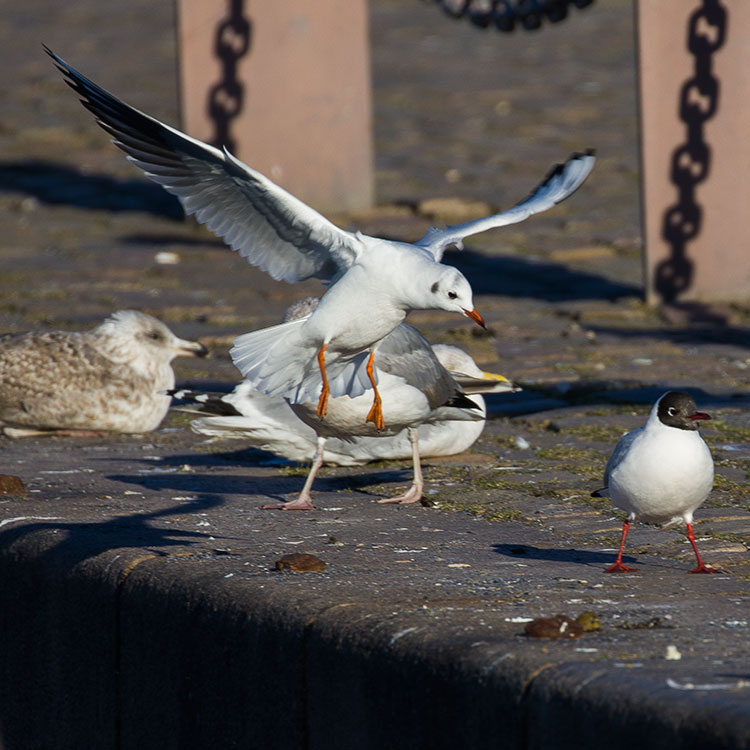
618	566
323	400
701	567
376	413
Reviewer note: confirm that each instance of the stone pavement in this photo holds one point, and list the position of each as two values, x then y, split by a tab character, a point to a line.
139	588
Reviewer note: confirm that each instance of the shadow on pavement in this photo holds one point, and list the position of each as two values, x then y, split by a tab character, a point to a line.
58	184
524	277
529	552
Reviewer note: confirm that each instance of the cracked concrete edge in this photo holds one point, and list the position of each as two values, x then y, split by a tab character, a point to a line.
117	648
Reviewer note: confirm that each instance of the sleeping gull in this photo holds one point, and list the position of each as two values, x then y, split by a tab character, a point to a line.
374	282
111	378
661	472
427	409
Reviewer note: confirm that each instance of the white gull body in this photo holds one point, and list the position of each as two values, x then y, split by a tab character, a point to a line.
374	282
662	472
426	410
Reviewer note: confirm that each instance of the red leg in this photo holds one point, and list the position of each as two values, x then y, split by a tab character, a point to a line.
618	566
376	413
323	400
701	567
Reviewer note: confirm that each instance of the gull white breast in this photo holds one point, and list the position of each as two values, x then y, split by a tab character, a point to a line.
661	472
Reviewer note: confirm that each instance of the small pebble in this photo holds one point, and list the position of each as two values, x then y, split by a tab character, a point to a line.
560	626
522	443
167	258
672	654
11	485
300	562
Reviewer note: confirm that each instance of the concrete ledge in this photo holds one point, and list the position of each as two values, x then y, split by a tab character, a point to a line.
132	648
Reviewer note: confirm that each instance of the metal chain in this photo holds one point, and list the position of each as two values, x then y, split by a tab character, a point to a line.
505	15
691	161
226	98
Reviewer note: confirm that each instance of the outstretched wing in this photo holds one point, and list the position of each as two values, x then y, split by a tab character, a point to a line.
271	228
562	181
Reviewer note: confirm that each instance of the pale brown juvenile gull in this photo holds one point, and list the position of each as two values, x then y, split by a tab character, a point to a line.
111	378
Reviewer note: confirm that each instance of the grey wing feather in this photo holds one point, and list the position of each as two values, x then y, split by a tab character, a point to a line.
619	453
270	227
560	183
406	353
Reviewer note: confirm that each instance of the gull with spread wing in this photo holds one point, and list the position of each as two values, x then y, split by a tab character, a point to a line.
374	282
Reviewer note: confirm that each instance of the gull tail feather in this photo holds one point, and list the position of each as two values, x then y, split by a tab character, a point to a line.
274	360
277	362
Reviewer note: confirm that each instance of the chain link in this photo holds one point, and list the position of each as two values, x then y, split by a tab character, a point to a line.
505	15
691	161
226	98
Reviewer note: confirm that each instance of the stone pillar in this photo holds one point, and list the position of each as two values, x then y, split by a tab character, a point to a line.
694	58
285	85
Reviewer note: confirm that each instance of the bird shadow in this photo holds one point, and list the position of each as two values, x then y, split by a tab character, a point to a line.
525	277
166	475
58	184
83	540
698	329
529	552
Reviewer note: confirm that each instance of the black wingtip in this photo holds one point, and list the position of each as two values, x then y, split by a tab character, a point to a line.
461	401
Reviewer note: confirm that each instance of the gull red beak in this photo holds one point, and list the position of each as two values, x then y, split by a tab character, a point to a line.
476	317
699	415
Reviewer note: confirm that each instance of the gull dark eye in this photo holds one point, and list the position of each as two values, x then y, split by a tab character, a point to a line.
671	411
154	335
452	295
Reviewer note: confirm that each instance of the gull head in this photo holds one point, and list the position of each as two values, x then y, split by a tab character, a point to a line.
451	291
131	336
678	409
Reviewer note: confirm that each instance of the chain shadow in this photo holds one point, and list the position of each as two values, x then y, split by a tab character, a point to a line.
226	98
691	161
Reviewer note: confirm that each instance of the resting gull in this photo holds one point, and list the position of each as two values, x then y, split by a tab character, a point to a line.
427	408
111	378
374	282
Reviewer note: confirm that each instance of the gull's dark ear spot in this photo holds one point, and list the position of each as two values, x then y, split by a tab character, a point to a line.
435	287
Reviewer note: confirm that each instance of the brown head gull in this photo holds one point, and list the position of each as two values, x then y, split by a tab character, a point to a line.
429	404
374	282
661	472
111	378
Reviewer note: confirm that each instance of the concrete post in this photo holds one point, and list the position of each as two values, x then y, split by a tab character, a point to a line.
286	87
695	120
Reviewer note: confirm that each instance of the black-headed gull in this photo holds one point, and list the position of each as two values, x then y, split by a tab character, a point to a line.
374	282
661	472
425	403
109	379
